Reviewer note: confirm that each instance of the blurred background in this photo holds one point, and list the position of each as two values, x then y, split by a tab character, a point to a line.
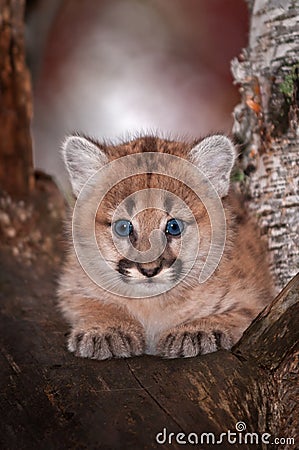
114	68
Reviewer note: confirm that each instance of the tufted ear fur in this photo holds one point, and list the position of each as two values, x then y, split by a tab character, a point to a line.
83	159
215	157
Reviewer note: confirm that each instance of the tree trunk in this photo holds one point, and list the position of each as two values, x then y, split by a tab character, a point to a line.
267	128
16	167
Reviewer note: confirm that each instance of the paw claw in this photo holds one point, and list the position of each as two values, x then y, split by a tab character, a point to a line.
113	343
183	343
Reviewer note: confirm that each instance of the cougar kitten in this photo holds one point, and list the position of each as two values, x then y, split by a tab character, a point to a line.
157	263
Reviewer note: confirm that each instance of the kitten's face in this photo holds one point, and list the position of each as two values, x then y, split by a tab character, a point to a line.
143	211
131	214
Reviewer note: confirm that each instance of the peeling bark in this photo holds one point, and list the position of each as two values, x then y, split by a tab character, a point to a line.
16	166
267	128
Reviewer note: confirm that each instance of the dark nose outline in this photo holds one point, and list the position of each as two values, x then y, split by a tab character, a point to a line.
149	272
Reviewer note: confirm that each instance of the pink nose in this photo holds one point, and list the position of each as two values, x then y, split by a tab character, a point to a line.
149	272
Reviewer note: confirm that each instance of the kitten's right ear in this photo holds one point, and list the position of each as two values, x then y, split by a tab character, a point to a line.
83	159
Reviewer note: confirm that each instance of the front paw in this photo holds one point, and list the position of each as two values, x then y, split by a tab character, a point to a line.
187	341
114	342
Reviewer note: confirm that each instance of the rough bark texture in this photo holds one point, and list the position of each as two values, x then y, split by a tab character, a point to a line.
16	166
267	128
50	399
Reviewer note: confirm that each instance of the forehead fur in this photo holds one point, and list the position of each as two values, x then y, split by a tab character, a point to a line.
148	144
124	192
131	185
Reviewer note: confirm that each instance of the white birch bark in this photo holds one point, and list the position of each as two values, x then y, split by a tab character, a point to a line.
266	127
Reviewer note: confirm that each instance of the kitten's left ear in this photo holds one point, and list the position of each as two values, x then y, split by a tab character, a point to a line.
215	157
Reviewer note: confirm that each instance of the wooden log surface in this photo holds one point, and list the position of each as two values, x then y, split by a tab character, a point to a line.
50	399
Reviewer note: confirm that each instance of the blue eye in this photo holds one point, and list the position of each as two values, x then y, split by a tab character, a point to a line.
174	227
122	228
